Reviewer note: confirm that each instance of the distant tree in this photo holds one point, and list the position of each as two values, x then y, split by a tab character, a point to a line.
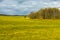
46	13
50	13
33	15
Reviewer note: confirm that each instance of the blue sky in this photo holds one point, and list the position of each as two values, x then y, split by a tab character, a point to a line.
23	7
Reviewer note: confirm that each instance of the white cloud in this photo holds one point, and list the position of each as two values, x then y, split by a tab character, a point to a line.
45	3
26	5
3	4
55	3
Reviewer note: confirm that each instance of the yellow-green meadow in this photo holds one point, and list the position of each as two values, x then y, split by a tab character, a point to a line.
20	28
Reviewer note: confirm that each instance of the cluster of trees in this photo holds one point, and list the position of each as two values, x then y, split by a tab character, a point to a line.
46	13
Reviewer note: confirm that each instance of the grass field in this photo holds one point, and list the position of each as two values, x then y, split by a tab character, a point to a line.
19	28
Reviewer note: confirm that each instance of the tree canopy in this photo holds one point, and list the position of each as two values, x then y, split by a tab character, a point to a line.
46	13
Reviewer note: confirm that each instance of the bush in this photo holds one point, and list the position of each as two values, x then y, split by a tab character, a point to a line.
33	15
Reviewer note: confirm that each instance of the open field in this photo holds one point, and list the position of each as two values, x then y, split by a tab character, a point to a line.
19	28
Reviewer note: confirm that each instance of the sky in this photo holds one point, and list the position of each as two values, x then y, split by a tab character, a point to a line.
24	7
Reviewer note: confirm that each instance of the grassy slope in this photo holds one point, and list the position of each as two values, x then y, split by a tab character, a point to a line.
18	28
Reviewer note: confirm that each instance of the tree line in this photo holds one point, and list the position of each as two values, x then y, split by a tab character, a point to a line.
46	13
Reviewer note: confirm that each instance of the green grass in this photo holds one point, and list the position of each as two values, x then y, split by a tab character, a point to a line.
19	28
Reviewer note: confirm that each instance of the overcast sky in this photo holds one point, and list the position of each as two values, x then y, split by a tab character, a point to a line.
23	7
